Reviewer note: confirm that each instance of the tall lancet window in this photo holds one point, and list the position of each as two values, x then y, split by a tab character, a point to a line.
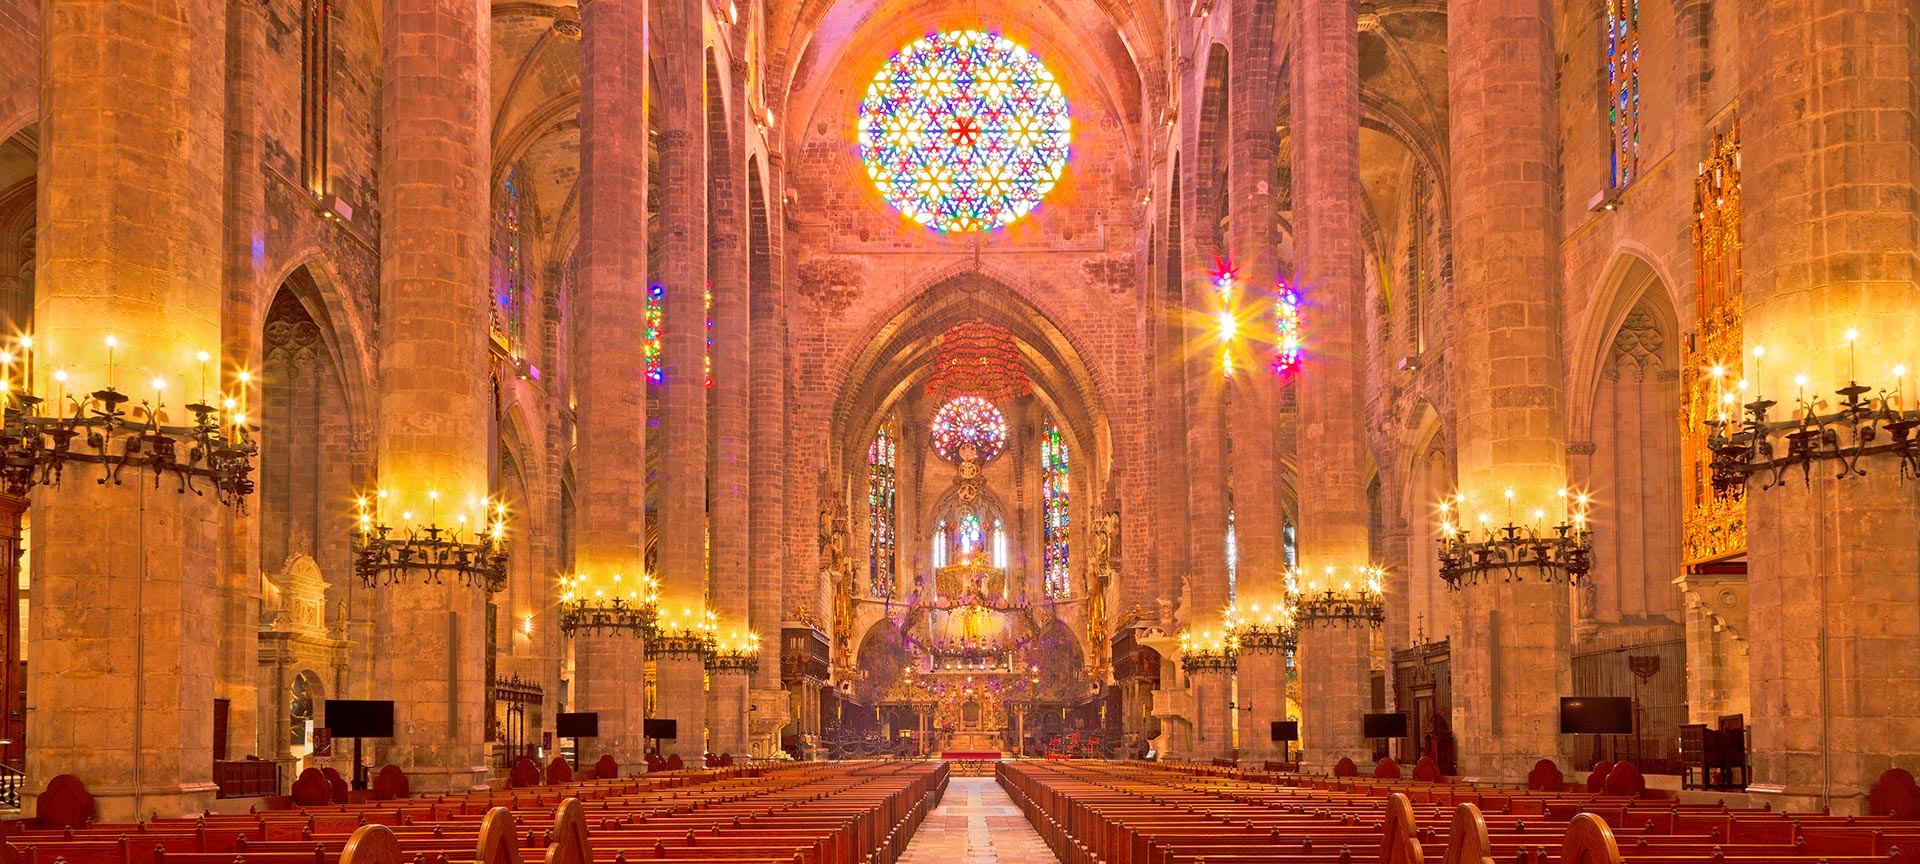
940	544
880	512
971	536
1057	572
999	544
315	47
1233	557
508	312
1623	90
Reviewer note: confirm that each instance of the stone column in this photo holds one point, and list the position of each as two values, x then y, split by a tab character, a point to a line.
727	593
433	421
1335	690
767	437
1207	593
241	349
1262	677
122	630
1212	713
1333	514
1510	639
610	373
1830	137
680	692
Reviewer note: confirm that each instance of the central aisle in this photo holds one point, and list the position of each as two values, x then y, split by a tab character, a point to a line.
976	823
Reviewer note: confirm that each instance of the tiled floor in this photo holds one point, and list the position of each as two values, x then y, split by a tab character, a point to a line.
976	823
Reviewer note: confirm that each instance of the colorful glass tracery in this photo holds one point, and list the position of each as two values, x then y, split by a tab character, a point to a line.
1286	324
656	299
509	278
969	420
880	512
964	131
1623	89
1056	572
970	536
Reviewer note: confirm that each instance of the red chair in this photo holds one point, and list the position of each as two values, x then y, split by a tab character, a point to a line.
606	768
1625	779
525	773
311	789
1546	777
1597	780
1426	770
390	784
1386	769
674	763
1345	768
558	772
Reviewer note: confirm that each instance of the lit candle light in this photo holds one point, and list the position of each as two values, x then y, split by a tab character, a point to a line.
203	358
1852	336
112	343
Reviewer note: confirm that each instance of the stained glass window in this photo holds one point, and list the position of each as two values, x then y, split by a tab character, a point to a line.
970	536
969	421
1228	326
964	131
1623	89
940	544
880	511
1233	557
509	281
1056	572
1286	325
999	543
656	299
1290	546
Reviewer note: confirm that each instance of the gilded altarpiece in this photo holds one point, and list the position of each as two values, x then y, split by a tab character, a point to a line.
1715	525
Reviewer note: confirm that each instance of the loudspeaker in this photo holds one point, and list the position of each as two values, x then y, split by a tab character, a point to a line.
577	724
1596	715
1384	725
664	729
1286	730
359	718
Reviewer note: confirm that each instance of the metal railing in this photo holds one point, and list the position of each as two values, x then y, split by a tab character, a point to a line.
12	780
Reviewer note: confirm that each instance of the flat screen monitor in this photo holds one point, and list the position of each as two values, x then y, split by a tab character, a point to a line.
1596	715
1384	725
577	724
667	730
359	718
1286	730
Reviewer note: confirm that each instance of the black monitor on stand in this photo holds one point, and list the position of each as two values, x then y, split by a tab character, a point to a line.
357	719
577	725
657	730
1284	733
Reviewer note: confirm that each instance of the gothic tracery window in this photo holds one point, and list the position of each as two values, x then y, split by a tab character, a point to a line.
964	131
1057	571
1623	90
508	314
880	511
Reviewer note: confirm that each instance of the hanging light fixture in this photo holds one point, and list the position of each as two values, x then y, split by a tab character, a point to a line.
472	550
1561	553
979	359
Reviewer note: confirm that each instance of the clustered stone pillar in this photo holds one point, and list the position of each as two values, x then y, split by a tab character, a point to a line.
767	437
1828	89
1510	638
121	647
611	375
727	593
433	411
680	677
1262	678
1333	658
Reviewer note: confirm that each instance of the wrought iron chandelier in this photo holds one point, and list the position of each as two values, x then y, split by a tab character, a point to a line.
1861	426
1272	630
738	652
1211	651
1350	602
101	429
594	605
1561	553
384	555
683	637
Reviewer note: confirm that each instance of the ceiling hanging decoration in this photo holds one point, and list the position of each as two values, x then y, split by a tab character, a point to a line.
964	131
978	359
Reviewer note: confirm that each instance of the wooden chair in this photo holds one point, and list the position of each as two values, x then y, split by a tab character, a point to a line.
1693	756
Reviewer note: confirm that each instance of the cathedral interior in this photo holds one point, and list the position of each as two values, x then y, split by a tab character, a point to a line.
494	394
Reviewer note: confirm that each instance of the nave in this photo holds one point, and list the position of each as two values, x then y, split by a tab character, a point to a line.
1028	812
